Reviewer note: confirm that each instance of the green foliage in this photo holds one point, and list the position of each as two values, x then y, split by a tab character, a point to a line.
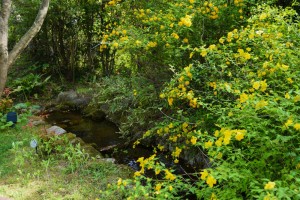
235	109
28	85
129	102
158	34
5	104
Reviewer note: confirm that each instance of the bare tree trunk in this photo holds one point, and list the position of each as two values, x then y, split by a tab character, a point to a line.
8	58
4	15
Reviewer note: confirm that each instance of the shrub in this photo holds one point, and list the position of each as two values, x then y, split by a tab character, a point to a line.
238	108
129	102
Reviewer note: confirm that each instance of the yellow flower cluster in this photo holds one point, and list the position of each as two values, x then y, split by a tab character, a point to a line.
290	122
260	85
243	98
243	54
182	92
177	152
186	21
210	180
261	104
113	2
270	185
175	35
169	175
152	44
210	9
224	136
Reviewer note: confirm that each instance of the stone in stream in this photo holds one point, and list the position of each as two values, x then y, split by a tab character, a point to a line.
72	99
56	130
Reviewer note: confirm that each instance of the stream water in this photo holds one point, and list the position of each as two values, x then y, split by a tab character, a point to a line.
103	134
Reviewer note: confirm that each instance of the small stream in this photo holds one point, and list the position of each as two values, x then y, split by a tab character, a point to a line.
102	134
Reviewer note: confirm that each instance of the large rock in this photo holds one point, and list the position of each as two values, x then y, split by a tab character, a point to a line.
72	99
56	130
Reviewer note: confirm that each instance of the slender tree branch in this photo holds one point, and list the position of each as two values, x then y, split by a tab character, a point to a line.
34	29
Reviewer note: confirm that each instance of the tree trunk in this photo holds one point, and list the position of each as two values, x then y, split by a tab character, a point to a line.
8	58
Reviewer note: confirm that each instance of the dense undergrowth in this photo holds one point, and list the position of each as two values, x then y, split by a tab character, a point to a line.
235	108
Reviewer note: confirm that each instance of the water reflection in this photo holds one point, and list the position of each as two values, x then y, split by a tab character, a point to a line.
101	133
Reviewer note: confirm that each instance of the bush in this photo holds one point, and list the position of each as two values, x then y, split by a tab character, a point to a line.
131	103
239	110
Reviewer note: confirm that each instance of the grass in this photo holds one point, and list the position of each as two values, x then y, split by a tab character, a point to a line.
27	175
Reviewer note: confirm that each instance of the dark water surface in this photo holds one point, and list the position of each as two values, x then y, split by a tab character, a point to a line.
101	133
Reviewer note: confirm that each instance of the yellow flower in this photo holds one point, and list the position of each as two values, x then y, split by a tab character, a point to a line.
203	53
263	86
219	142
290	80
175	36
212	47
204	174
193	140
288	123
160	147
226	140
267	197
247	56
263	16
217	133
243	97
169	175
158	187
137	173
170	101
138	42
221	40
239	135
256	85
185	40
119	181
261	104
270	185
115	44
211	181
187	21
157	171
297	98
287	96
170	188
208	144
284	67
297	126
177	152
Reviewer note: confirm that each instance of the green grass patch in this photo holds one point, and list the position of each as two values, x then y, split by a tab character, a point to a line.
68	172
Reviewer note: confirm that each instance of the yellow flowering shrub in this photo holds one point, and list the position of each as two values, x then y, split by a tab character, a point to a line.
232	113
156	34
